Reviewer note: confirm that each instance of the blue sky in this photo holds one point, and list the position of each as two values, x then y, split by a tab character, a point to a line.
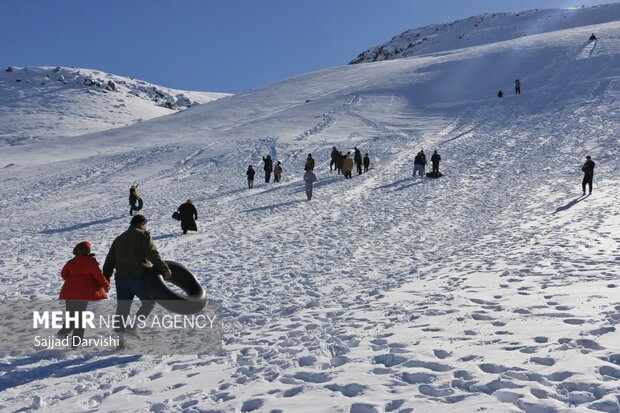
219	45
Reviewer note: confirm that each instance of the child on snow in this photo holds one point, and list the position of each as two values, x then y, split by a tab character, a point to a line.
250	173
84	282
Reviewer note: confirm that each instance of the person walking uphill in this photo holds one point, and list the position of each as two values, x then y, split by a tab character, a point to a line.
334	159
134	256
277	172
366	162
435	161
135	202
309	166
84	282
189	215
250	174
309	179
418	164
268	167
588	174
347	166
357	157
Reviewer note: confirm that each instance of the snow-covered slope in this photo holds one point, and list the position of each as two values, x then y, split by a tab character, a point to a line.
483	29
494	288
39	102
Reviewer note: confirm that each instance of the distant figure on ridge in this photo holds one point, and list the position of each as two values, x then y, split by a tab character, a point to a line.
268	167
592	37
366	162
135	202
189	215
500	94
435	161
517	87
277	172
309	165
309	179
250	174
588	174
357	157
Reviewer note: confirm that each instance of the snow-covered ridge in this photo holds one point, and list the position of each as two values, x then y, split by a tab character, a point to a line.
486	28
39	102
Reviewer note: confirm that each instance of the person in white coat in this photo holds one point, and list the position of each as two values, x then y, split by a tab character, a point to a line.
309	179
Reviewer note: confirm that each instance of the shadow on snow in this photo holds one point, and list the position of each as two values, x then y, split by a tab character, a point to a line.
63	368
80	226
571	203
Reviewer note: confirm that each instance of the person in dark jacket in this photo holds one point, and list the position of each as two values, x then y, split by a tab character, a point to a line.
366	162
435	161
268	167
588	174
135	202
83	282
339	162
277	172
189	215
500	94
309	165
592	36
357	158
334	159
418	164
133	255
250	174
517	87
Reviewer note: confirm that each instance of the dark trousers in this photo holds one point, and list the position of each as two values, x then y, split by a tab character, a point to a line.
267	176
126	289
250	183
331	163
517	91
359	167
435	168
276	178
75	308
365	168
587	180
347	174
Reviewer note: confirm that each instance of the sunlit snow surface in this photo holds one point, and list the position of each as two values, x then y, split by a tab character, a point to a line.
494	288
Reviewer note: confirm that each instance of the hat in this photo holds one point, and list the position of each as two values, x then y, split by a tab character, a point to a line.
138	220
588	157
189	201
82	249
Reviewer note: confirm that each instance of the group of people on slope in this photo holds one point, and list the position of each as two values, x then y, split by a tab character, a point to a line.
517	89
268	167
420	162
186	212
342	163
132	256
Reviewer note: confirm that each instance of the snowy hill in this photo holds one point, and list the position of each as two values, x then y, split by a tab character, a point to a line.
483	29
494	288
39	102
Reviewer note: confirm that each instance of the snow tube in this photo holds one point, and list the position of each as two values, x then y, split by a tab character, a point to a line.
140	205
432	175
183	278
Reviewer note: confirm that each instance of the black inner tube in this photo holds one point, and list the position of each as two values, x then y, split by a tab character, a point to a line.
183	278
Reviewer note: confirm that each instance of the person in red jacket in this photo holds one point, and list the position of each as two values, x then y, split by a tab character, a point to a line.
84	282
